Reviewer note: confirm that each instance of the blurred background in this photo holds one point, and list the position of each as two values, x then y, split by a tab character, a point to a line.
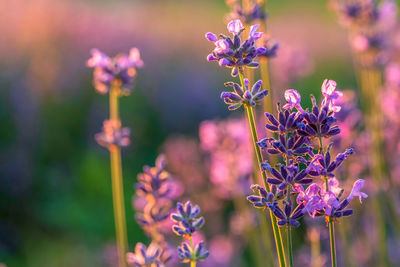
55	189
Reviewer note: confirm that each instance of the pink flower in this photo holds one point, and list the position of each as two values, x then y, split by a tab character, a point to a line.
360	43
328	90
134	58
293	100
355	192
235	26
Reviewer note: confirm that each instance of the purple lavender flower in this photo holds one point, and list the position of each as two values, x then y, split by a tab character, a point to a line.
261	197
187	254
243	97
270	50
113	135
120	69
286	122
232	53
288	217
254	13
144	257
324	166
330	95
319	202
318	122
154	181
186	221
288	176
293	100
289	146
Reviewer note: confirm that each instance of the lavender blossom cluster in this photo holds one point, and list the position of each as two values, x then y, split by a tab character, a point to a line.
300	144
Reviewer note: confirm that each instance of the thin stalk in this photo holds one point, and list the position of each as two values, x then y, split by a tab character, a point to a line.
289	232
276	231
331	231
193	261
117	184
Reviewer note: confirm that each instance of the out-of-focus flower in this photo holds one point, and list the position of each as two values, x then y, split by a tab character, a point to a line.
113	134
144	257
228	154
187	254
243	97
252	14
120	70
232	53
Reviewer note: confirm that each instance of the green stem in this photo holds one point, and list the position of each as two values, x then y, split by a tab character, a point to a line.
289	232
117	183
331	231
276	231
193	261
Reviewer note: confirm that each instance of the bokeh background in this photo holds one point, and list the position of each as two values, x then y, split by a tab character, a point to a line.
55	189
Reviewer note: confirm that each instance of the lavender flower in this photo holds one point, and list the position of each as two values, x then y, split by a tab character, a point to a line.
293	100
328	91
186	221
254	13
323	166
289	146
187	254
262	197
319	122
243	97
144	257
232	53
120	69
288	217
319	202
113	135
186	224
286	122
288	176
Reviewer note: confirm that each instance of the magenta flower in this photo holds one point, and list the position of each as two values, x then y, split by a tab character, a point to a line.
293	100
113	135
355	192
328	90
235	26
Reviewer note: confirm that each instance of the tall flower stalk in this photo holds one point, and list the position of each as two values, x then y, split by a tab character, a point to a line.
115	76
235	54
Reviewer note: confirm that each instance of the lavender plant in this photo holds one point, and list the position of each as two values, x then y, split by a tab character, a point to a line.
115	77
156	192
186	224
235	54
305	159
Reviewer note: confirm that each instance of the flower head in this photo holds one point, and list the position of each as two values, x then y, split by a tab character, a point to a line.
356	191
187	254
293	100
328	91
232	52
243	96
113	134
144	257
186	220
119	71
